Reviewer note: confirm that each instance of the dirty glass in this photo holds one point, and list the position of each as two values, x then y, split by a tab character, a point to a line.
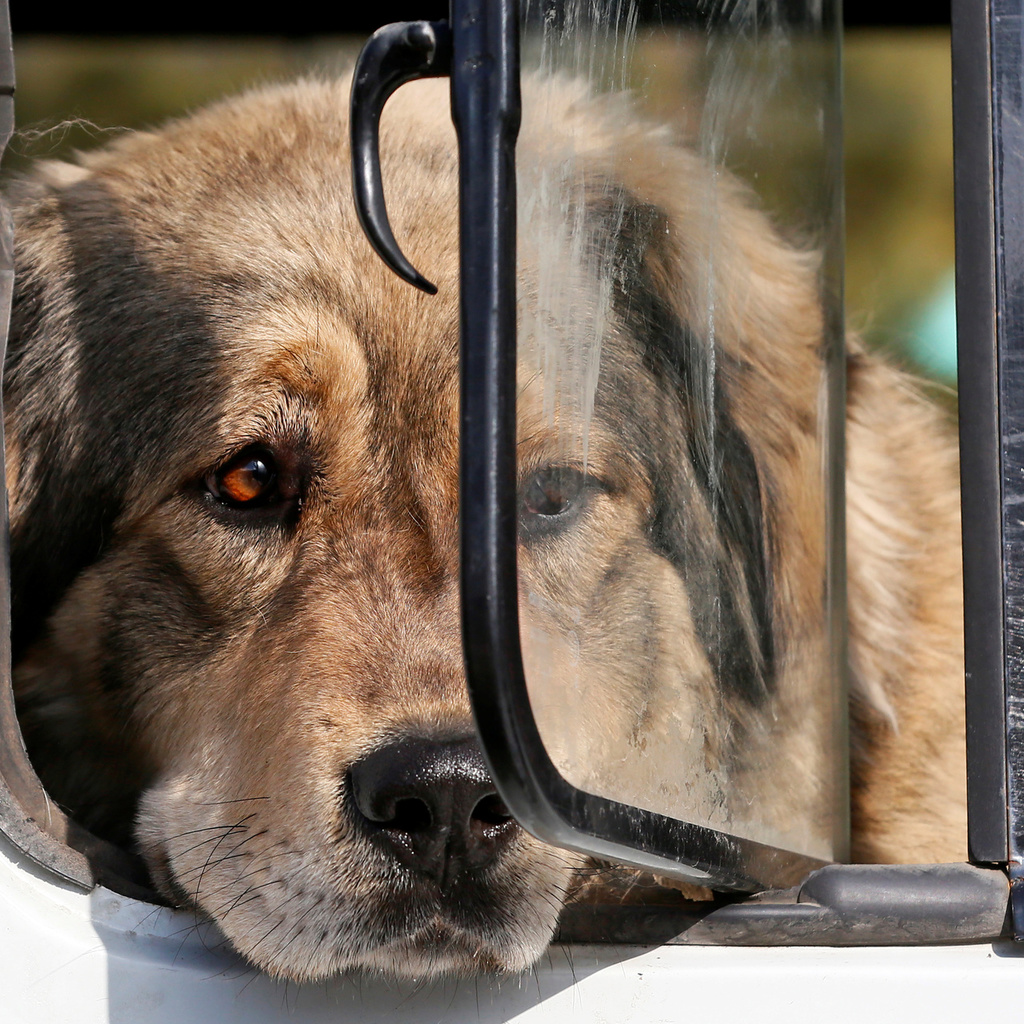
680	412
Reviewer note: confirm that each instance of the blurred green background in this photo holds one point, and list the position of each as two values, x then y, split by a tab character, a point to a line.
897	128
899	194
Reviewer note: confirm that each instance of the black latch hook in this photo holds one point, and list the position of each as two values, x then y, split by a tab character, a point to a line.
393	55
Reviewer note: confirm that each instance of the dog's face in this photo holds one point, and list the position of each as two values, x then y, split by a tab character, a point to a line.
232	460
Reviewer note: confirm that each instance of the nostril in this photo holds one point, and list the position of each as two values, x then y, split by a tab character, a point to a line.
491	810
491	819
385	808
411	815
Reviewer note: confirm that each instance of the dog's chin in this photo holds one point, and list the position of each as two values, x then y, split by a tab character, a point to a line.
407	940
445	949
442	947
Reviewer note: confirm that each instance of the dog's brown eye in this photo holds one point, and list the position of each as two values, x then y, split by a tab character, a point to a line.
247	480
552	491
552	500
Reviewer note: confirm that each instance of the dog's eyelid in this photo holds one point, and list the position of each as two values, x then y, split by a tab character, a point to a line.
568	470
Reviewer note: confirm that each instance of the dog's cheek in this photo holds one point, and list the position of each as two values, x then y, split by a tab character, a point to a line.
277	895
616	669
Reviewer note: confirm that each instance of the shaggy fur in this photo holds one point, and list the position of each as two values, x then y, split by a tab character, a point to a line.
198	675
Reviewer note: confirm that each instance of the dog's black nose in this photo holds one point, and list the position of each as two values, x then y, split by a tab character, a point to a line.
433	803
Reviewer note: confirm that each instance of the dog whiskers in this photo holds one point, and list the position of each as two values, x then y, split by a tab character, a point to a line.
213	850
220	803
224	832
250	893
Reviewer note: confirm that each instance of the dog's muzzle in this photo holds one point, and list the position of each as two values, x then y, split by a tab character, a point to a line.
432	805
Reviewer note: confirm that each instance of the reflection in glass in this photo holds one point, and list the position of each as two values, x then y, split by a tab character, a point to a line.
679	332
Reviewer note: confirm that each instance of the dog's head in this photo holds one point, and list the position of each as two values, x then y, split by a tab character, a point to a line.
232	465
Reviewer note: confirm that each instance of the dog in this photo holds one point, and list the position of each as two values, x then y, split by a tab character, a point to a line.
232	441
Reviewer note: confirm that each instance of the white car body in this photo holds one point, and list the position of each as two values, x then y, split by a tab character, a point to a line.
74	957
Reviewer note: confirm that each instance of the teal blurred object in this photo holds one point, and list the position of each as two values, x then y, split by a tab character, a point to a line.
932	333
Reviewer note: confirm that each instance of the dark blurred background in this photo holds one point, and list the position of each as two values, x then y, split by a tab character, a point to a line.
83	74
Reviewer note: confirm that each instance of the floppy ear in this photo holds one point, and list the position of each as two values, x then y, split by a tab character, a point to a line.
102	355
707	516
727	321
55	516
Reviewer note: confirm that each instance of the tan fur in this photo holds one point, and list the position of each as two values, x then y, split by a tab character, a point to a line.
906	622
190	292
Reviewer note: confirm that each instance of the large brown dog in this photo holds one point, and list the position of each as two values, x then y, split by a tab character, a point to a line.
232	447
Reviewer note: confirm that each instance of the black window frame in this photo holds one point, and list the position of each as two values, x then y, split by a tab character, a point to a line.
988	104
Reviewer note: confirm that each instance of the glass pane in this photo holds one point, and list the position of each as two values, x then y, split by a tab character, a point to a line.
679	337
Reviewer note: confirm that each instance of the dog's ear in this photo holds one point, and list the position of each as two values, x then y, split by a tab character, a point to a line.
707	515
103	353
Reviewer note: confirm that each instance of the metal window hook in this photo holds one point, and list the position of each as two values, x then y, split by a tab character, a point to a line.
393	55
